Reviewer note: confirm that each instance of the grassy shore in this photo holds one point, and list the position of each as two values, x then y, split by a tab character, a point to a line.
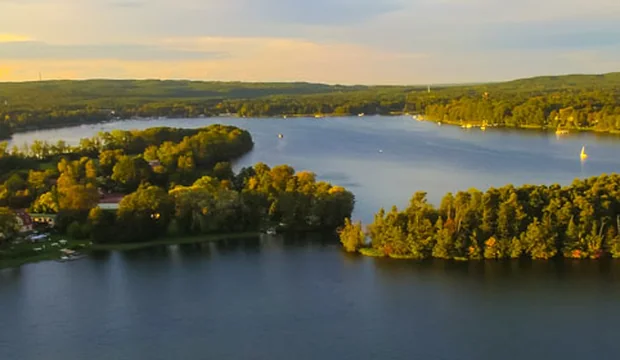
16	255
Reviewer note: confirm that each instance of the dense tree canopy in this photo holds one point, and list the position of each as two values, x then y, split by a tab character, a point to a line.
264	198
539	222
176	181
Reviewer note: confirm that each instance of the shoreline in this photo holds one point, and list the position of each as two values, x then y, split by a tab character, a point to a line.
166	241
530	128
85	247
526	128
285	116
372	253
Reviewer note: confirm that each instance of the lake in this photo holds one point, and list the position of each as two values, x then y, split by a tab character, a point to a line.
384	160
303	298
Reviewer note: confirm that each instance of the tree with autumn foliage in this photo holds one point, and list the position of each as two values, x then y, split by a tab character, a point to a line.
352	235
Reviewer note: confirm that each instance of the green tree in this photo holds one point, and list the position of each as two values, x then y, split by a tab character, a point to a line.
130	172
144	214
102	225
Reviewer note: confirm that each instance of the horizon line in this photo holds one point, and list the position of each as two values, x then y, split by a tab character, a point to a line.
465	83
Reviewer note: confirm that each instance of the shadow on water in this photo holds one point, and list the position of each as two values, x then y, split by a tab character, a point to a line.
500	271
248	245
205	250
100	255
313	240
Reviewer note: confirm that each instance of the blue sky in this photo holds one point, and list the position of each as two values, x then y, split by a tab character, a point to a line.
333	41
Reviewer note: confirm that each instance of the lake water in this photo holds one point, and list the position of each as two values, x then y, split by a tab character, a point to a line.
275	298
384	160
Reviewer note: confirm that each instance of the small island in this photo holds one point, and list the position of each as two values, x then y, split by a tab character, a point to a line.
127	189
580	221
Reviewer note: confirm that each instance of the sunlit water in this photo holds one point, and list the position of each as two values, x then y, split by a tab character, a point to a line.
270	298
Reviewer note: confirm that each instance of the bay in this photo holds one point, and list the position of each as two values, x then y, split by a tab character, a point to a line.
384	160
303	298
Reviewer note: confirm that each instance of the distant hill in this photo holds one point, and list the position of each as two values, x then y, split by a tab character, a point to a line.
584	102
562	82
80	92
99	92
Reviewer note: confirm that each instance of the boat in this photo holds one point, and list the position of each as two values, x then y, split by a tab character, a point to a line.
318	116
280	136
483	128
561	132
583	154
380	151
360	114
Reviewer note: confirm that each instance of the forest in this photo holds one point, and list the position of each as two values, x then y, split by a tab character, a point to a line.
580	102
171	181
580	221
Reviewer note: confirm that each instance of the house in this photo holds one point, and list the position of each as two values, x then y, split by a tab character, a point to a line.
110	201
24	221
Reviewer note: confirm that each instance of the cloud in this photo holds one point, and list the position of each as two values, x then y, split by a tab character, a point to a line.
7	38
40	50
322	12
553	35
373	41
128	4
249	59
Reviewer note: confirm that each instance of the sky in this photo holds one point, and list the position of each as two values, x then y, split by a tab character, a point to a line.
328	41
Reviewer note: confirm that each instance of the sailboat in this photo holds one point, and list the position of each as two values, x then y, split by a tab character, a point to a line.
583	154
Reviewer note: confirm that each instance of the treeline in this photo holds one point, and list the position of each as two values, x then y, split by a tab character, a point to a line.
46	104
258	198
583	110
585	102
539	222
